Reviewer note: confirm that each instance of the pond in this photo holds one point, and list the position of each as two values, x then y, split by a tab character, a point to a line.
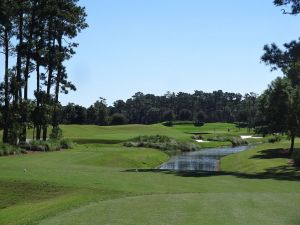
204	160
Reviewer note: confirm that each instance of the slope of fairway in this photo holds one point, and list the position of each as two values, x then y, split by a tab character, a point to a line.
262	160
119	133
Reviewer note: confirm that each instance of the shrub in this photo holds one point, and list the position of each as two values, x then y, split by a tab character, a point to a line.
52	145
274	139
197	137
56	133
235	141
45	146
66	144
6	149
161	143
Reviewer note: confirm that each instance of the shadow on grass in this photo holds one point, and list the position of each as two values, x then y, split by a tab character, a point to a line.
95	141
277	153
276	173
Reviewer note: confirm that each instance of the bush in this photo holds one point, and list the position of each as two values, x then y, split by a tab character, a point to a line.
274	139
45	146
6	149
52	146
161	143
66	144
56	133
235	141
197	137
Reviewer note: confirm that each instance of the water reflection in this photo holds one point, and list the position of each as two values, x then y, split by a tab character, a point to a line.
204	160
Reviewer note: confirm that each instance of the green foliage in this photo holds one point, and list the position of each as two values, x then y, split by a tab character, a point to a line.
168	115
161	143
44	146
48	146
66	144
185	114
6	150
274	139
235	141
118	119
56	133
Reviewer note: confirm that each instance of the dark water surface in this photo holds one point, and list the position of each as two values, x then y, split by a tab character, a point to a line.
204	160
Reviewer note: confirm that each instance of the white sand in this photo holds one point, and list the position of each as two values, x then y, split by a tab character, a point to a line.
249	137
202	141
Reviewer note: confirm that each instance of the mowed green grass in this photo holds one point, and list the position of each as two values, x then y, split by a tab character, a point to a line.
119	133
115	134
111	184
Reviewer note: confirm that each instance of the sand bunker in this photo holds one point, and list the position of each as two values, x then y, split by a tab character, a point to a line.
249	137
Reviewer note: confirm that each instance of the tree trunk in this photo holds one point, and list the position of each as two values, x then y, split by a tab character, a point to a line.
28	51
19	60
292	144
18	98
51	43
58	79
6	87
38	125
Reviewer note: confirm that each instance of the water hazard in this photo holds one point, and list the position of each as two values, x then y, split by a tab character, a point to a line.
204	160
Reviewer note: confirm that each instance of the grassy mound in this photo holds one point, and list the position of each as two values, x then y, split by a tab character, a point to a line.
161	143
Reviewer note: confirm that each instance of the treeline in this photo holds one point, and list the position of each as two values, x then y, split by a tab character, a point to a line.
36	39
217	106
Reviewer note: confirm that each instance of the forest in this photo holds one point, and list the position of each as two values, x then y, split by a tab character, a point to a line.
200	106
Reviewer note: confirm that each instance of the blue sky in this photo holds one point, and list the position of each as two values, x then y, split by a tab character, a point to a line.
155	46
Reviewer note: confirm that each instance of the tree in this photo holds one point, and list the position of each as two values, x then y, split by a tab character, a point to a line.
279	105
153	115
168	115
185	114
37	34
293	4
200	118
98	113
118	119
286	90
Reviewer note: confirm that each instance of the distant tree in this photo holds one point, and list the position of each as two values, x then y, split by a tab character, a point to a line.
168	115
153	115
201	116
98	113
118	119
185	114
